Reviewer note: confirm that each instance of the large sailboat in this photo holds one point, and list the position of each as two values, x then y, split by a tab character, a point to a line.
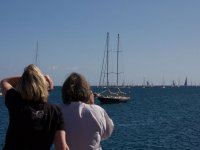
110	94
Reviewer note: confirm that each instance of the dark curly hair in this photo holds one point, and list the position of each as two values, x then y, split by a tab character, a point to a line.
75	88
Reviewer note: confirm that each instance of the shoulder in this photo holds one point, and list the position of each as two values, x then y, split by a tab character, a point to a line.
82	107
11	92
95	110
12	97
96	107
56	115
53	108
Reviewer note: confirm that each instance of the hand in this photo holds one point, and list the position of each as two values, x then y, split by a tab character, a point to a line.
49	81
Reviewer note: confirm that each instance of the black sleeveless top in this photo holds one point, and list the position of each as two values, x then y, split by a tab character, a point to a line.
32	125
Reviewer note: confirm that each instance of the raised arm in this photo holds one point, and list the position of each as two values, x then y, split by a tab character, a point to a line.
49	81
109	127
8	83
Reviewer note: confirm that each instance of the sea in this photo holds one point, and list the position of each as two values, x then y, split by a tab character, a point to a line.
155	118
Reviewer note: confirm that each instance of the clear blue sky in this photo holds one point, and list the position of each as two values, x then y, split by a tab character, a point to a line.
160	39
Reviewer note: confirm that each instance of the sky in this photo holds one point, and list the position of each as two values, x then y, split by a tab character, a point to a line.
159	39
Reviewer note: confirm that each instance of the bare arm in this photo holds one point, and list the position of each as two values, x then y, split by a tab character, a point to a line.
49	81
109	127
8	83
60	141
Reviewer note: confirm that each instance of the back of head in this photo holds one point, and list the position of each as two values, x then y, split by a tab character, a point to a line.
75	88
32	85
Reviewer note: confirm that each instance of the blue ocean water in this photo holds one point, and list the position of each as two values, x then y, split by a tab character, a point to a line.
153	119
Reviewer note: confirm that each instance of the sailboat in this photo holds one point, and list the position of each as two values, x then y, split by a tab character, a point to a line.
185	84
163	83
110	94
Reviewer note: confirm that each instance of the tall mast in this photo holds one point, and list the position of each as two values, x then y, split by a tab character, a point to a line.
36	55
117	58
107	59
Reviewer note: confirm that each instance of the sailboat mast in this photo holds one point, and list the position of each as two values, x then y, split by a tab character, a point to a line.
107	58
117	59
36	55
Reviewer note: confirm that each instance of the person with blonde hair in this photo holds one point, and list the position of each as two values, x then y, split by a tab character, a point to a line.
34	124
86	123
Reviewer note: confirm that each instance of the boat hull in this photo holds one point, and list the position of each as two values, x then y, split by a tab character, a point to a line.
107	100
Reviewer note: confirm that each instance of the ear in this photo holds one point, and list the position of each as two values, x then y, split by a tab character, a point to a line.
91	98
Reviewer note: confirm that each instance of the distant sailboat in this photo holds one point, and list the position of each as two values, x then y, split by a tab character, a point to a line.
173	84
163	83
146	84
185	84
110	94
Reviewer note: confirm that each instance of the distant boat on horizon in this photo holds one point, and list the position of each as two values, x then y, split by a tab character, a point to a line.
175	84
185	84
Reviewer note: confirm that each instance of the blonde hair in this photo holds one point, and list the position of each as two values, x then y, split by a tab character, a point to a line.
32	85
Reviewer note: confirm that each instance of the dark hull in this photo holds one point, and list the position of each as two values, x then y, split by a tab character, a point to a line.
108	100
